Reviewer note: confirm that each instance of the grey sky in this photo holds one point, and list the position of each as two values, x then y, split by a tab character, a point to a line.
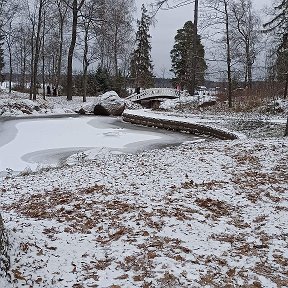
164	31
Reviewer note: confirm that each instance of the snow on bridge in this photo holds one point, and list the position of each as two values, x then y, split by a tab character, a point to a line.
170	93
154	93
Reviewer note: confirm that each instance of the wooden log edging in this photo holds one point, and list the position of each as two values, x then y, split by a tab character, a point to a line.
4	245
180	126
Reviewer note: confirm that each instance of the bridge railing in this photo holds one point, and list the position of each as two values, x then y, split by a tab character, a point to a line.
157	92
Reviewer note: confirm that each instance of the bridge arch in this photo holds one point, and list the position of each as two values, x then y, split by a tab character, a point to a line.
154	94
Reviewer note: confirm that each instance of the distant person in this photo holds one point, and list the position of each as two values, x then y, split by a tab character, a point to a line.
137	90
48	90
54	91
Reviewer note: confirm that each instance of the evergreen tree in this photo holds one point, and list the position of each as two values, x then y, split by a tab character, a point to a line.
281	65
279	25
141	68
182	58
119	84
103	80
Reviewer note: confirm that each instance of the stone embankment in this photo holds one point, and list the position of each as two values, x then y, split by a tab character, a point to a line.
179	126
4	257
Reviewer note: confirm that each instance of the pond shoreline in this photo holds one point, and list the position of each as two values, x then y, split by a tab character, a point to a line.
180	126
32	141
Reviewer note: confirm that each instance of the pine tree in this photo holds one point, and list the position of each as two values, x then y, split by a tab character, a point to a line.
182	58
281	65
141	68
279	24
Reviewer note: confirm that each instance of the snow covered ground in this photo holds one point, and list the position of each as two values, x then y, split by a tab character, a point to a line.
206	214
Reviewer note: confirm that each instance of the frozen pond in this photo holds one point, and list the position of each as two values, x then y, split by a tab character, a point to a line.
31	143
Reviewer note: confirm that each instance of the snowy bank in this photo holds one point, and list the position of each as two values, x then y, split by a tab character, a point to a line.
181	124
211	214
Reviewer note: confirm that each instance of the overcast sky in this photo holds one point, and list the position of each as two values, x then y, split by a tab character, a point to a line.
164	31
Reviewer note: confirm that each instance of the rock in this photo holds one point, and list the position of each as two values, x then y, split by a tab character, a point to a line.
107	104
275	107
112	103
207	104
88	108
25	111
4	257
100	110
82	111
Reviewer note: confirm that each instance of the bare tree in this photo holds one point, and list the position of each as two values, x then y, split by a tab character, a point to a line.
194	60
35	16
9	12
76	7
221	17
22	53
62	16
9	39
121	29
229	77
115	33
245	27
88	23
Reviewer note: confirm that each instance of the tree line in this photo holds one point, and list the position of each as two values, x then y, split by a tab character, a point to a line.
42	39
238	36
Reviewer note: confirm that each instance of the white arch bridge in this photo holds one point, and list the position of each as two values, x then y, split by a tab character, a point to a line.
154	94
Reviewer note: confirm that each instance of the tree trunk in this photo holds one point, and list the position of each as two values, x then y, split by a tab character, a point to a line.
37	50
9	45
194	59
4	257
229	77
115	52
286	130
70	53
71	49
43	59
286	86
32	61
23	65
59	62
85	65
249	65
10	68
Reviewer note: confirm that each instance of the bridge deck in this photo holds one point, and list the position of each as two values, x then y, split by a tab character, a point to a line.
154	93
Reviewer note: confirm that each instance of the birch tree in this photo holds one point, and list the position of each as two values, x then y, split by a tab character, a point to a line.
245	27
221	18
114	34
